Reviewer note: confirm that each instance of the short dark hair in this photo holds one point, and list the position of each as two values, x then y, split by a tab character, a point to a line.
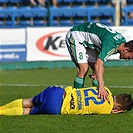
129	45
125	100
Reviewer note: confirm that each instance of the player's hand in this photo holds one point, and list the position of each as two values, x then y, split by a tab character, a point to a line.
103	94
93	76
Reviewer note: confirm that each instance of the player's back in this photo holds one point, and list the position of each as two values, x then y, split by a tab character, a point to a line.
96	33
85	101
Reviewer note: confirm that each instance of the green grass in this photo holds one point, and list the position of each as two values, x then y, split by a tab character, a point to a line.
31	82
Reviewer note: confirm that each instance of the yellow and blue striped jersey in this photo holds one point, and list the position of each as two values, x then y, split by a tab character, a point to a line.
85	101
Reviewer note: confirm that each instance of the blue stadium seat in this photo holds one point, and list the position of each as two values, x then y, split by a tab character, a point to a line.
24	12
102	13
23	15
80	11
4	1
15	1
39	12
106	22
80	2
67	13
106	11
56	23
10	23
24	23
130	1
39	23
1	23
65	23
8	15
77	22
62	12
98	2
130	22
127	10
5	13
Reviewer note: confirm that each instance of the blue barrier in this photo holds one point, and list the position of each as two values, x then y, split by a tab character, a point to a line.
23	13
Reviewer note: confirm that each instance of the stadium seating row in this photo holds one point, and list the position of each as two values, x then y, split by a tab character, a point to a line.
64	2
63	16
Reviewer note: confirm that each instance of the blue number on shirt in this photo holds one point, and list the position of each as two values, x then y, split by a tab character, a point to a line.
87	98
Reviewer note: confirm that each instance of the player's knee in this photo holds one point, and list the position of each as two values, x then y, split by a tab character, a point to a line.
83	69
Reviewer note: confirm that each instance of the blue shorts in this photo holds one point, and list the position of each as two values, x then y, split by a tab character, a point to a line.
48	101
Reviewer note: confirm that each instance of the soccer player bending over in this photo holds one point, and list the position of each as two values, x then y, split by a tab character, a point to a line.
90	45
68	100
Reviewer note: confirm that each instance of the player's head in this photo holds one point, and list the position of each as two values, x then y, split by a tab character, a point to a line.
129	45
122	103
127	51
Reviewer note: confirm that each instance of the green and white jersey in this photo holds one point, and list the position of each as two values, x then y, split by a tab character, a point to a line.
98	37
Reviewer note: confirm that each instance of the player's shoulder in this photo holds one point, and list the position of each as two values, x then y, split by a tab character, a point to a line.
68	88
108	90
96	88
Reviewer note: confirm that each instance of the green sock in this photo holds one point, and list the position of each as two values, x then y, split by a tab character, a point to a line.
78	82
95	83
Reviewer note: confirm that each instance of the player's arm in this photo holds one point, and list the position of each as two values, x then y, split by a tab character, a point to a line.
106	50
99	71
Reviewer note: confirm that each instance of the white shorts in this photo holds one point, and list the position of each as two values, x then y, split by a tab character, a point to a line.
79	53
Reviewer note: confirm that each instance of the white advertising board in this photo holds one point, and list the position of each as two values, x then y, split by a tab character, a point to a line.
47	44
12	44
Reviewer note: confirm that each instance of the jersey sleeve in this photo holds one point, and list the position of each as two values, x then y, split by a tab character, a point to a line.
106	51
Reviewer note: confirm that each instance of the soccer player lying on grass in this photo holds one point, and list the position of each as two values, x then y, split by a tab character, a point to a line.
68	100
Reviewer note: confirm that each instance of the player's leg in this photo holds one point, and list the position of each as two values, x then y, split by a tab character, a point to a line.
36	102
53	100
49	101
78	56
93	75
12	108
12	111
81	74
17	107
15	103
92	57
80	60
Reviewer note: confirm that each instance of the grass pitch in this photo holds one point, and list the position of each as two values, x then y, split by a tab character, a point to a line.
27	83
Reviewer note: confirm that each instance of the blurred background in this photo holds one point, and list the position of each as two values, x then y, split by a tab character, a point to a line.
18	13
